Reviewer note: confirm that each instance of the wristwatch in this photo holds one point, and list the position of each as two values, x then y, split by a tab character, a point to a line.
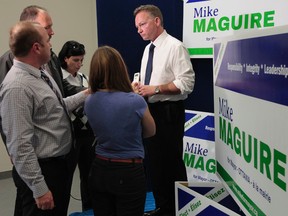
157	90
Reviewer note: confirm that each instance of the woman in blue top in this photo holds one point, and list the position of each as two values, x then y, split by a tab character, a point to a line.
120	119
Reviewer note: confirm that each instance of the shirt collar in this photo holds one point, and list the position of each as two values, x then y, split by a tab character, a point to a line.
160	38
66	74
26	67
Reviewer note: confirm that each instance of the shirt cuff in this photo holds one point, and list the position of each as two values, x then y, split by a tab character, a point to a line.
39	189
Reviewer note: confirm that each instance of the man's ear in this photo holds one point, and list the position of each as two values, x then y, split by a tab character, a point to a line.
36	47
157	21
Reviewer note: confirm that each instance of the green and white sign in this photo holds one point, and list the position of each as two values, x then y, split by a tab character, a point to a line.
199	147
251	111
206	21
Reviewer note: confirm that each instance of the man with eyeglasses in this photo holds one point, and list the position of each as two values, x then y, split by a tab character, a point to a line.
172	79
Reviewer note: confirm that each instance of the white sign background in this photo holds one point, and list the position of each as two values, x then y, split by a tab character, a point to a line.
196	173
265	120
228	8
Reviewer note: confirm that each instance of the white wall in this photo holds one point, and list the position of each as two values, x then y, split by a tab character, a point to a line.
72	20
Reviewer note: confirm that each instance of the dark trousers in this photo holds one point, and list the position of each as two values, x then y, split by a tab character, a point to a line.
58	174
165	152
86	154
118	189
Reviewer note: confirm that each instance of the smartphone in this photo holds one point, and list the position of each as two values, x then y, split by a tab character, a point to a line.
136	77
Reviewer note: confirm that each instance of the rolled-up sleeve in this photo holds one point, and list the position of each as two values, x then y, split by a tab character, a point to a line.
183	70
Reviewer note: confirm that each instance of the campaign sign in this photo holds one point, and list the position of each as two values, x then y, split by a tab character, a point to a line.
203	199
250	103
199	147
206	21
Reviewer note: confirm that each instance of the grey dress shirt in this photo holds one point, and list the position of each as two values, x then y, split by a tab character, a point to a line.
34	122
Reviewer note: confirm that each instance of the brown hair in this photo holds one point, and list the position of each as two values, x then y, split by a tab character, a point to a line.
31	12
153	10
108	71
22	37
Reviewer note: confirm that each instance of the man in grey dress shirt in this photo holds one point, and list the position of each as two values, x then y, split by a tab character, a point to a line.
38	14
36	124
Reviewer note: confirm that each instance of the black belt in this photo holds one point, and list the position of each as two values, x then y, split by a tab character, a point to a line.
162	103
50	159
120	160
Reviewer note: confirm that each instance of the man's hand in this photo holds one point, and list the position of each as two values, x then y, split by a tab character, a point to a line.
46	201
146	90
135	86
